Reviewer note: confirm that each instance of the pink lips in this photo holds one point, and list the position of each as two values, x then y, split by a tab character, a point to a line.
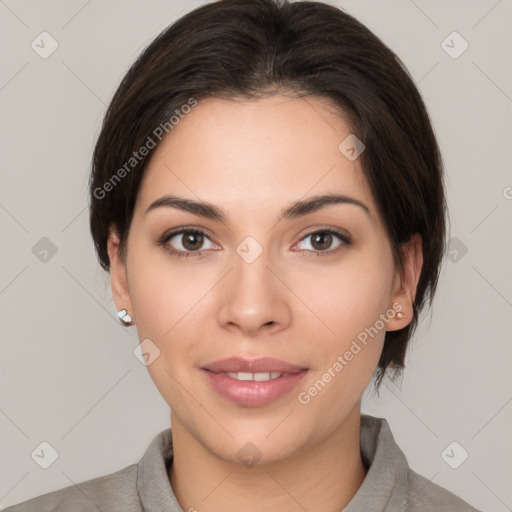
251	393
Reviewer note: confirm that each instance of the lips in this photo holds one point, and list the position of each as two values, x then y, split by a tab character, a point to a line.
253	382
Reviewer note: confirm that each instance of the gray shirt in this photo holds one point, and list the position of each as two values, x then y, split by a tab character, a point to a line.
390	485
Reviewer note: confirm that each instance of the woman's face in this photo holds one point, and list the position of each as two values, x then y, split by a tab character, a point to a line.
310	288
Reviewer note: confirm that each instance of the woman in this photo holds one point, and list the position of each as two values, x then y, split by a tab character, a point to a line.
267	196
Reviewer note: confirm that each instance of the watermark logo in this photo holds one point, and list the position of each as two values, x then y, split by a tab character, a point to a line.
454	455
44	455
249	249
44	45
44	250
249	454
456	250
454	45
146	352
351	147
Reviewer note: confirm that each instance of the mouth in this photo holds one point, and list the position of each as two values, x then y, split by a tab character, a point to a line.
255	382
258	377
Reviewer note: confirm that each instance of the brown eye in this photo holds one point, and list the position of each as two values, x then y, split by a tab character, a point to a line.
186	242
192	241
321	241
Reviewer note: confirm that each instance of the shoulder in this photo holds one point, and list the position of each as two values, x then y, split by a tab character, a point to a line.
426	495
391	483
115	491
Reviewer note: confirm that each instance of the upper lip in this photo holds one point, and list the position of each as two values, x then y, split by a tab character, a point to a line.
260	365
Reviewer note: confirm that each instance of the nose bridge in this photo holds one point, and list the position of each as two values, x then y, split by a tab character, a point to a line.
254	296
251	274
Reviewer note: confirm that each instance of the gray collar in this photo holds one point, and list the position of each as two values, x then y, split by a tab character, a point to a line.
384	488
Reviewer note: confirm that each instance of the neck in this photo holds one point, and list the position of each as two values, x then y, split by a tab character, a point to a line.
323	478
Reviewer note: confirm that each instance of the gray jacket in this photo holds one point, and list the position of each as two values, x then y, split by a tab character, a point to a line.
390	485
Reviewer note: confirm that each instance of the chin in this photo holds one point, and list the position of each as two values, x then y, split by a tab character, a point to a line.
258	446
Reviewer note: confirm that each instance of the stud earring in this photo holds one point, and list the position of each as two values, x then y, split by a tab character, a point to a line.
400	315
125	318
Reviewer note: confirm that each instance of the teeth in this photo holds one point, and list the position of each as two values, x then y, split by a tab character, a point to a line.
261	376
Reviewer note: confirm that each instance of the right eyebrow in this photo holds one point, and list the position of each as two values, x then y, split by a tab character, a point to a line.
202	209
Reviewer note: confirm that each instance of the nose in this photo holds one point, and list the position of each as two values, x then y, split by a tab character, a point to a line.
253	298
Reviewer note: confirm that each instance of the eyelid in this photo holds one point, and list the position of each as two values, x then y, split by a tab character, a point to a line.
328	229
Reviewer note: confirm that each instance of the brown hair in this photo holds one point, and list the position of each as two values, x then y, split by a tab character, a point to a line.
249	48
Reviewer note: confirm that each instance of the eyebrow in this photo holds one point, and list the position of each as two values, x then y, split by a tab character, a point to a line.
295	210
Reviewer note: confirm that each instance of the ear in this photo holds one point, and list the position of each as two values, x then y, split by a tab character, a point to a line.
118	276
406	282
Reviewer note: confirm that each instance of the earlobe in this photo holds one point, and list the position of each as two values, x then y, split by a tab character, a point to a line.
406	283
118	278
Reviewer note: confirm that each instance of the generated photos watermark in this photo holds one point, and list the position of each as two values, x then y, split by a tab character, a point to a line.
304	397
138	156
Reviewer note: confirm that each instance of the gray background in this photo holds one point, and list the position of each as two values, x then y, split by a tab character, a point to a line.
68	375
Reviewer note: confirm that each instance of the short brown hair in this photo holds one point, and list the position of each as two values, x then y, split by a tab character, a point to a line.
249	48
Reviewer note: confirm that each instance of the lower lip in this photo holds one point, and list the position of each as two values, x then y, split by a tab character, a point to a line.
253	393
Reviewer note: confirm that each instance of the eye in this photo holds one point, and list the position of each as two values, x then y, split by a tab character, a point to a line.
185	242
322	240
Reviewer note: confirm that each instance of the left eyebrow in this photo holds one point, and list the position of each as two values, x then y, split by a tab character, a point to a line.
295	210
313	204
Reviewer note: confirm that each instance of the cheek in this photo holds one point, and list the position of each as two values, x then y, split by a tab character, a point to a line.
162	293
350	296
346	359
354	296
162	301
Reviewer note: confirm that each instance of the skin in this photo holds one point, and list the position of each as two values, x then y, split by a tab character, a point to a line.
252	159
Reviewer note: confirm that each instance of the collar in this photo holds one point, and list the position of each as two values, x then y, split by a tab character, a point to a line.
384	489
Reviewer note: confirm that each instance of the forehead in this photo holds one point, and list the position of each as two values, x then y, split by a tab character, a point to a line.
254	154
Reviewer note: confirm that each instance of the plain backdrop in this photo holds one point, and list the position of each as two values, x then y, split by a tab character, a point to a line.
68	375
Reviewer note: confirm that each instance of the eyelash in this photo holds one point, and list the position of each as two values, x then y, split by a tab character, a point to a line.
163	241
